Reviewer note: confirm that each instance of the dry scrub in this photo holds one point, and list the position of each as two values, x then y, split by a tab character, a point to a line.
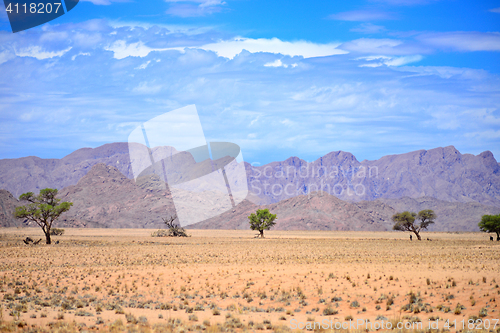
125	280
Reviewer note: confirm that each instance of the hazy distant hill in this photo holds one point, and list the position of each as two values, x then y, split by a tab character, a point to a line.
442	173
105	198
321	211
33	173
317	211
7	206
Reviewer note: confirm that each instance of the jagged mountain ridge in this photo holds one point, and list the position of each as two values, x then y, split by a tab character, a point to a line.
105	198
443	173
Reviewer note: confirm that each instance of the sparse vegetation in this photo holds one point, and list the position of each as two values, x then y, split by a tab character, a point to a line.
56	232
43	209
209	279
405	221
262	220
174	229
490	223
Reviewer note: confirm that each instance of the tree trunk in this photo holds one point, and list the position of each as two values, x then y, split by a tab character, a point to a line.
47	237
418	235
498	236
261	233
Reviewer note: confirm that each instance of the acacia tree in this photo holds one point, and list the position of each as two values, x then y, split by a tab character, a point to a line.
262	220
490	223
405	221
43	209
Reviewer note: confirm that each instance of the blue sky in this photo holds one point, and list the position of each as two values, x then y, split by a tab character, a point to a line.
278	78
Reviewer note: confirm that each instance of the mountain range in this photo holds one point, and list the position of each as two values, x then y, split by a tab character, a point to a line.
335	192
441	173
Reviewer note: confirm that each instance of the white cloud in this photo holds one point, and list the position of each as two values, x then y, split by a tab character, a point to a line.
122	50
147	88
230	48
144	65
39	53
484	135
368	28
6	56
362	15
377	61
324	105
372	45
193	8
276	63
54	36
400	61
463	40
495	10
446	72
80	54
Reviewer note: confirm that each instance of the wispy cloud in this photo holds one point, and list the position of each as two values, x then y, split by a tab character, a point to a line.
368	28
462	40
193	8
230	48
495	10
362	15
105	2
121	49
384	46
377	61
368	101
39	53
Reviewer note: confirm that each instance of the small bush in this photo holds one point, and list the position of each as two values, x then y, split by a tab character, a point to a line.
161	233
174	230
56	232
83	313
131	318
329	311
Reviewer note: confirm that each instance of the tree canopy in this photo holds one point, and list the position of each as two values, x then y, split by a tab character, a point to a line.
490	223
262	220
43	209
405	221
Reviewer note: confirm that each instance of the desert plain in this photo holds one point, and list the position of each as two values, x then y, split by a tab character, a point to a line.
226	280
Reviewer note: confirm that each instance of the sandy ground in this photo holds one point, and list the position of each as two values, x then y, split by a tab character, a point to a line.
105	278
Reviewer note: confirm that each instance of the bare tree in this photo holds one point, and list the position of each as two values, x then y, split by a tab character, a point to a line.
174	229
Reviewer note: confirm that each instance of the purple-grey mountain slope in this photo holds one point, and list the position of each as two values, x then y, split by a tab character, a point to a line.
442	173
